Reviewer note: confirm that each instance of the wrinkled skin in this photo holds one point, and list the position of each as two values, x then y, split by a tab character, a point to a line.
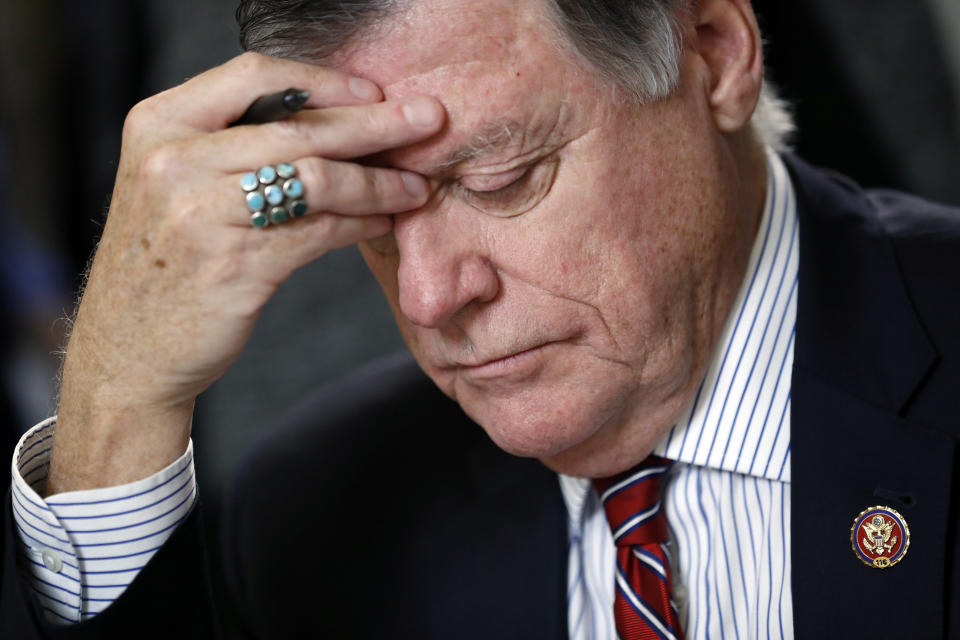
559	260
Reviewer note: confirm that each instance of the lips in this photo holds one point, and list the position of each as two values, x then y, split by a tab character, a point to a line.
515	365
484	362
498	354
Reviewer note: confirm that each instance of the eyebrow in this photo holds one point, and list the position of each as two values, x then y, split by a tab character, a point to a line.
489	138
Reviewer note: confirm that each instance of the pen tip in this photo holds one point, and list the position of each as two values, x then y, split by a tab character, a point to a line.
295	98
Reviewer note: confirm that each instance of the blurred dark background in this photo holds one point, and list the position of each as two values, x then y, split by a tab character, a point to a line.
875	85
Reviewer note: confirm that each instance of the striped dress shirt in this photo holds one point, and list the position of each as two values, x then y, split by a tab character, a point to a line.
727	498
727	502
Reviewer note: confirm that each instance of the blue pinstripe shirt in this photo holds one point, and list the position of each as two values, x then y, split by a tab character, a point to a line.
727	500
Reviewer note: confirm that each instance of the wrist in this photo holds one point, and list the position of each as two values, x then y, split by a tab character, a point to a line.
102	439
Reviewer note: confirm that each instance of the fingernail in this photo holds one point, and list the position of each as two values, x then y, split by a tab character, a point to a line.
364	89
420	111
415	185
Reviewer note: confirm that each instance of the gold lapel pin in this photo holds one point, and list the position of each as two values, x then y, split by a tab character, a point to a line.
880	537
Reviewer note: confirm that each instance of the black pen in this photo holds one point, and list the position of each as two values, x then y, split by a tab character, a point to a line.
273	107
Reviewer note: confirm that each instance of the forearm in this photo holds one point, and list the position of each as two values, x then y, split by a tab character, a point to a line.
105	437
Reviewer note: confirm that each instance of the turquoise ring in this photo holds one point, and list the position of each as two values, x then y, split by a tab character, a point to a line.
274	194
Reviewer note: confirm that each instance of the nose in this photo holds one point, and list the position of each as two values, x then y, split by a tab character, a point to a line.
442	268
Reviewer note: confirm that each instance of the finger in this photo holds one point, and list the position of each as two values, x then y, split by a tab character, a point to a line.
337	187
301	241
219	96
339	133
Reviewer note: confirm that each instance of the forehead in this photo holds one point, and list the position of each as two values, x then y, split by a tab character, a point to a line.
495	65
424	35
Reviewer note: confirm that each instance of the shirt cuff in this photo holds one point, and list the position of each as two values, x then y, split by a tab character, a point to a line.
80	550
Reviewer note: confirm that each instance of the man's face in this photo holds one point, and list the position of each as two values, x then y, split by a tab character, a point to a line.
568	279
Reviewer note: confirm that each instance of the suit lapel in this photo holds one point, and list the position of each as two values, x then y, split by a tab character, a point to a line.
861	353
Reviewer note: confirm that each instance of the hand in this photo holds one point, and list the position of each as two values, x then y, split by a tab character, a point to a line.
180	275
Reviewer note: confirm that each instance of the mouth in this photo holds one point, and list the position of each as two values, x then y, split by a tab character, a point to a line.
516	364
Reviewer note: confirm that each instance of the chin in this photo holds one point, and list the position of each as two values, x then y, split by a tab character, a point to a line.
579	415
586	434
542	421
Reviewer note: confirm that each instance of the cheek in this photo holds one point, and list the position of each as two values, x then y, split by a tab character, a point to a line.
592	240
551	256
623	239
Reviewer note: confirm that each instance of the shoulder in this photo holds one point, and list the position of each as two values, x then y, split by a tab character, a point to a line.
387	401
386	421
905	216
879	275
380	477
338	482
841	221
832	198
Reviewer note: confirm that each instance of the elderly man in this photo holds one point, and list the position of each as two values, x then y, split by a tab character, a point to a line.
590	249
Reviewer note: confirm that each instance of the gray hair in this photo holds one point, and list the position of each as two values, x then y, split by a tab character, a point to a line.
636	44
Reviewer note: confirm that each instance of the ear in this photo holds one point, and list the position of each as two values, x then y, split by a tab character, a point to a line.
728	41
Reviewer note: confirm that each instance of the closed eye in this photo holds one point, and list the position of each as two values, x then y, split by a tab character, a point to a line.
511	193
492	183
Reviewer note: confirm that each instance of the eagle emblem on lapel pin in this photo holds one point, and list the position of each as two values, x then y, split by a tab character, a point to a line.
880	537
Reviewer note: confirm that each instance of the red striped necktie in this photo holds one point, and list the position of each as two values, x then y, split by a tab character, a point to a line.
642	608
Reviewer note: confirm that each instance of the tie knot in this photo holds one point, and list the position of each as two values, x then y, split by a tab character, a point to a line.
631	501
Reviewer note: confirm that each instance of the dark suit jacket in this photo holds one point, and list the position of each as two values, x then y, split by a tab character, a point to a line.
381	511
